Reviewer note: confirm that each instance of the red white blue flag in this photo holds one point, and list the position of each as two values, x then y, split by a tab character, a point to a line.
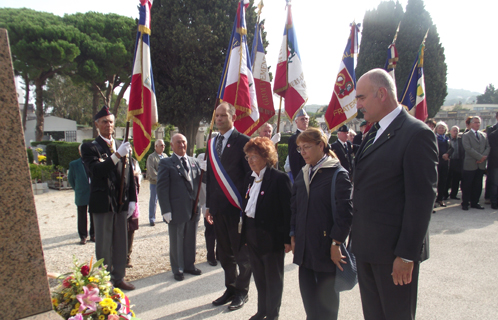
342	106
289	77
413	97
261	80
237	83
142	108
392	57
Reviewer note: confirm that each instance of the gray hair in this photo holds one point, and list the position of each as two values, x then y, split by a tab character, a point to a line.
475	117
443	124
379	78
158	141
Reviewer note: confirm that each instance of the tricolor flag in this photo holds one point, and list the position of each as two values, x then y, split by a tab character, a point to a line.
289	78
392	56
142	108
237	83
342	106
414	93
261	80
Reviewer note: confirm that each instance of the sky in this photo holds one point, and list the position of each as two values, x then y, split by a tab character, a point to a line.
322	27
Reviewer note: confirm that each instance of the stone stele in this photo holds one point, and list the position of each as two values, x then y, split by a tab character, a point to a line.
23	277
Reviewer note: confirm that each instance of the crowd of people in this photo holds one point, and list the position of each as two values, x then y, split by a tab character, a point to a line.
255	214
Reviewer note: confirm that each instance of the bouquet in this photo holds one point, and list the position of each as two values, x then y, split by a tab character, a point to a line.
87	293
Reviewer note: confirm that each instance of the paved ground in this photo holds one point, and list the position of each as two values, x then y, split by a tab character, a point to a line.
459	281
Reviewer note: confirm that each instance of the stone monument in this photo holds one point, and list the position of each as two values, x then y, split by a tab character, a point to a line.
23	277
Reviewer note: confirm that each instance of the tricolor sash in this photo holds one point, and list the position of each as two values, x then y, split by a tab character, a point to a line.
223	178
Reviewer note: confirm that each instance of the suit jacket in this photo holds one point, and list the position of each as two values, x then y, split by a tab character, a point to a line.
474	150
296	161
357	141
106	178
345	156
78	180
152	165
236	166
493	149
177	190
394	192
456	163
273	212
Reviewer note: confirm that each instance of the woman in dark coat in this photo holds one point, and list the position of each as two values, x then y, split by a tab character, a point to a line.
443	144
315	238
266	224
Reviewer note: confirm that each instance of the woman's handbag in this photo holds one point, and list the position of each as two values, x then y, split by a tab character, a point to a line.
348	278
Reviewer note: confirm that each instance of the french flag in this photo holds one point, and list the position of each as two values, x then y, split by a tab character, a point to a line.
289	77
142	108
237	82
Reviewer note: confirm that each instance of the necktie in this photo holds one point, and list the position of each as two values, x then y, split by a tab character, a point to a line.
110	146
219	145
371	137
185	164
477	136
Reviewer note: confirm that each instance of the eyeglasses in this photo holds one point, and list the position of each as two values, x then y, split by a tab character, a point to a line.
161	145
305	148
252	158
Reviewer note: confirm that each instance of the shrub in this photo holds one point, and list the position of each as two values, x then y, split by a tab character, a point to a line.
283	151
31	157
67	152
35	172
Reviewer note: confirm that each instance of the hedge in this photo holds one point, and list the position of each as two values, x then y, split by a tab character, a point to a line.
31	157
283	151
67	152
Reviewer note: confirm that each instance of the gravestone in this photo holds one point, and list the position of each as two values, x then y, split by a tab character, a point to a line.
23	277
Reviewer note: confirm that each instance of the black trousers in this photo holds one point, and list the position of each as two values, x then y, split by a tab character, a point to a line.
381	298
268	271
471	186
453	182
231	254
210	236
442	176
321	301
83	223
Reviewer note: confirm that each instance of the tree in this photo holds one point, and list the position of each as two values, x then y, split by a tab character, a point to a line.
188	47
379	28
490	96
106	57
414	25
42	46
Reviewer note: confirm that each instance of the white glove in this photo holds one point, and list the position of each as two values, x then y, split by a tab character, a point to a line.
276	138
131	208
203	165
167	217
124	149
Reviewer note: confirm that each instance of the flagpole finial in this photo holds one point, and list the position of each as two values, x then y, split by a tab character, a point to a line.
260	7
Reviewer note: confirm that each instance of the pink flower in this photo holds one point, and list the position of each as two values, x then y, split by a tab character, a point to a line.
78	316
85	270
88	298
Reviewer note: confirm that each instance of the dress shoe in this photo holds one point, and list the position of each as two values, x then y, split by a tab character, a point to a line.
213	263
152	224
179	276
125	286
456	198
195	272
83	241
465	208
226	297
92	239
477	206
238	302
257	316
441	204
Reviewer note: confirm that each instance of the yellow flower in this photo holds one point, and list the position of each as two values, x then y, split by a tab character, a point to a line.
77	305
106	310
73	312
113	312
101	317
118	291
132	313
106	302
92	279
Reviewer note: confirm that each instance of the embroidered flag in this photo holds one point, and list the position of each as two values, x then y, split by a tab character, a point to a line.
237	83
342	106
413	97
142	108
392	56
261	80
289	78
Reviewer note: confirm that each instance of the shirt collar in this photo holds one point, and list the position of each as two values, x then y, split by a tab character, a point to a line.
260	176
386	121
228	134
107	140
180	157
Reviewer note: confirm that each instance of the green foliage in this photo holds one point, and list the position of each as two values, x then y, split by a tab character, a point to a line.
379	28
283	151
188	50
35	172
313	122
490	96
31	157
284	138
67	152
52	156
35	143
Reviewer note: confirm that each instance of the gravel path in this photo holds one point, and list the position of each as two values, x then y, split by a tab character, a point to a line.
57	218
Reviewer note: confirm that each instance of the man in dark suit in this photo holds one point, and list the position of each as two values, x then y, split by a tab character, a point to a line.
78	179
392	200
344	149
177	184
222	213
359	137
104	158
476	147
456	154
296	160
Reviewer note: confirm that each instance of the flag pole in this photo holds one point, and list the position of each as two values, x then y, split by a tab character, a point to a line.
123	161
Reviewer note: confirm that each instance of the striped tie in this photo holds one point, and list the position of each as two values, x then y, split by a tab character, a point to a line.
371	137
